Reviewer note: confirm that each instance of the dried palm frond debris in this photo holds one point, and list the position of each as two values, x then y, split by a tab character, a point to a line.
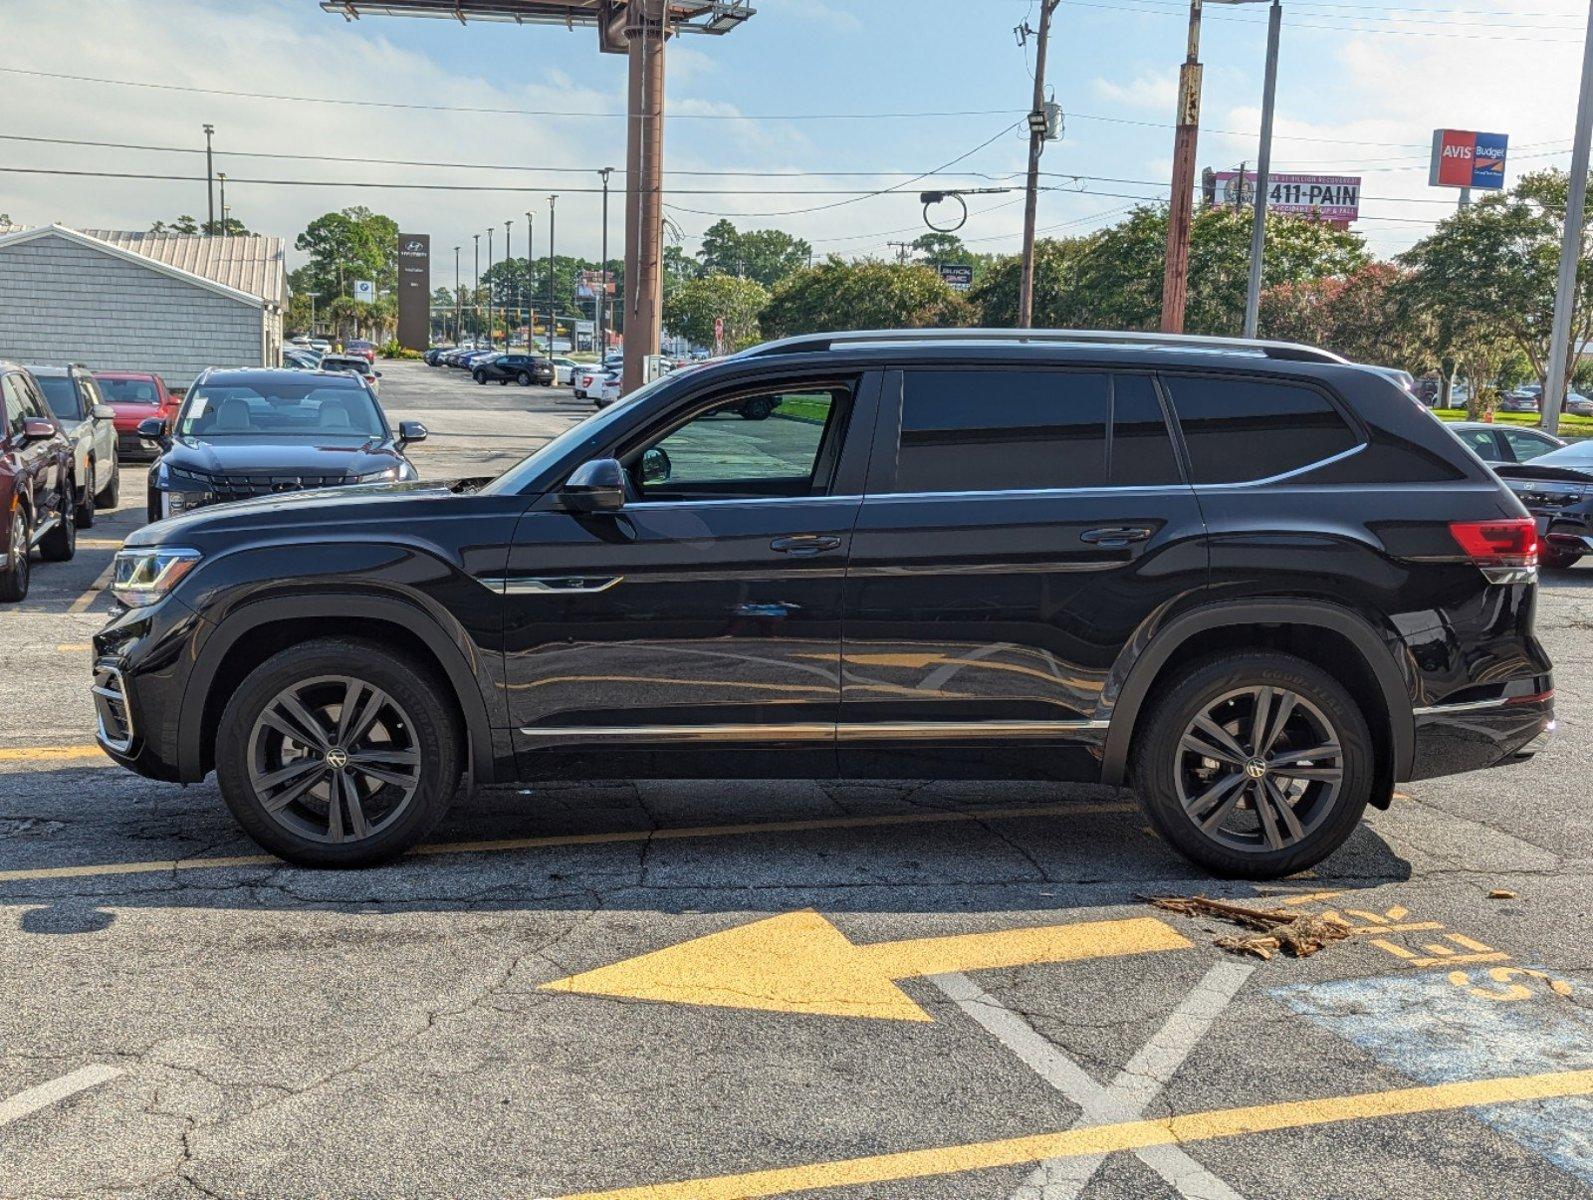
1295	933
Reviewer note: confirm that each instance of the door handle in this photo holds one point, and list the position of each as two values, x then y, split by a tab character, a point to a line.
1115	537
805	545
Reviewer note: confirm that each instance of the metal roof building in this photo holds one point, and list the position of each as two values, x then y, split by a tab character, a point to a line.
251	263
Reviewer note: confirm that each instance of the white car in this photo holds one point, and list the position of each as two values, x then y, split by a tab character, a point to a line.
1578	404
74	397
564	370
607	389
585	380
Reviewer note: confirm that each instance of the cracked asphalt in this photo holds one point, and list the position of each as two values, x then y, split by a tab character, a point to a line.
289	1033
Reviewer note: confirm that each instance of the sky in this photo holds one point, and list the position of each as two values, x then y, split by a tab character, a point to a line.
812	104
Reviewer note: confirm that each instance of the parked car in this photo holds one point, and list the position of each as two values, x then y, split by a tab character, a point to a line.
467	359
301	360
1519	400
264	432
1195	568
606	390
1578	405
353	364
363	348
38	505
135	397
433	356
1504	443
1557	489
564	369
524	369
586	380
90	423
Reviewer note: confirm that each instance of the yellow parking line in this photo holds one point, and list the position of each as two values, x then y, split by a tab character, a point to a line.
50	754
74	647
95	590
93	543
1107	1139
592	839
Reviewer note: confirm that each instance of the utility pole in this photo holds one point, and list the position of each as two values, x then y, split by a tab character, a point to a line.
508	285
491	344
646	29
458	331
901	249
1031	195
1175	281
1258	231
475	286
221	177
553	303
1571	250
601	322
210	176
530	284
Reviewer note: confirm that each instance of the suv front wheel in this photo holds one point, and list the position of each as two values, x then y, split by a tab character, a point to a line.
1254	764
338	753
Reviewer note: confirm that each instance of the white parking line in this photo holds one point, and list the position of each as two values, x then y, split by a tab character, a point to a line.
1128	1095
26	1103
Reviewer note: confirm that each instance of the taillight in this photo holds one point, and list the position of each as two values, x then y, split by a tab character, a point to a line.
1505	551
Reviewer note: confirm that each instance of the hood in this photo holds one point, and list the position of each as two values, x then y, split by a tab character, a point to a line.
364	503
332	456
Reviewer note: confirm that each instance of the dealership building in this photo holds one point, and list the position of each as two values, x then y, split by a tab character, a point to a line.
113	300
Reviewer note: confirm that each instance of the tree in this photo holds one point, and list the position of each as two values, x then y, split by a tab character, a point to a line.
354	243
938	247
691	309
862	295
1112	279
1488	272
766	255
228	227
1358	315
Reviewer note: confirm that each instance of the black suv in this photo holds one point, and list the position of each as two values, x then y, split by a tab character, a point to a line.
524	369
1252	581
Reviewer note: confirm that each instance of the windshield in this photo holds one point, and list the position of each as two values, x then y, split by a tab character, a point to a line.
129	391
518	477
282	410
61	392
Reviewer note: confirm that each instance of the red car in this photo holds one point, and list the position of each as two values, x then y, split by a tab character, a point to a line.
136	396
366	350
37	507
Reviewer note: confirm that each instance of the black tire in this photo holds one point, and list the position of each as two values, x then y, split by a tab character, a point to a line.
429	726
523	378
1557	560
481	377
15	569
112	495
85	505
757	409
60	544
1165	769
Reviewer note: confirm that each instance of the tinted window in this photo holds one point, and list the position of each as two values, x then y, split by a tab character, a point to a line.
1241	429
281	410
1142	448
130	391
15	409
61	395
996	430
1482	443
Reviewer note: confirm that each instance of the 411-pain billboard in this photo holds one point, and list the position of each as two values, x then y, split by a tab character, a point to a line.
1333	199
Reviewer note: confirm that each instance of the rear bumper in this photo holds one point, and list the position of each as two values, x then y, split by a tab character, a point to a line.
1455	738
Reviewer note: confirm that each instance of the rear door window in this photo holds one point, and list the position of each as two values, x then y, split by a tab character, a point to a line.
1240	430
1142	452
1000	430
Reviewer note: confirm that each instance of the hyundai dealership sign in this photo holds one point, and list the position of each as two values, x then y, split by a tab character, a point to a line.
1463	158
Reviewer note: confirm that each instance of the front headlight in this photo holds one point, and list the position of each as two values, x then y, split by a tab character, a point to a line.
147	573
387	476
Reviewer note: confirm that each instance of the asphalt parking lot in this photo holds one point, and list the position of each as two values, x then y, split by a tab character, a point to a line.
701	991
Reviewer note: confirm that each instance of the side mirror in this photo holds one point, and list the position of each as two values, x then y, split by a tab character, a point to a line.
656	466
412	431
596	486
37	429
378	374
104	412
153	429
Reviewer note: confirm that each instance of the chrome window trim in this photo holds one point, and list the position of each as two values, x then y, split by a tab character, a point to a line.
629	504
815	731
551	585
984	493
1314	466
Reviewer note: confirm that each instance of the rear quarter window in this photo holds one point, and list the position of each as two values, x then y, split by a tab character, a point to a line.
1241	430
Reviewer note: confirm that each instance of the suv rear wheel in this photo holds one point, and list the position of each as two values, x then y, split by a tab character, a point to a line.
111	496
15	567
523	378
1254	765
338	753
85	501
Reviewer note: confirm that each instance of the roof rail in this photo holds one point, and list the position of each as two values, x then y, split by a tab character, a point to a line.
814	342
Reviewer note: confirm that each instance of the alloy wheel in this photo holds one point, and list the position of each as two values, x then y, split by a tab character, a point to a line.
334	759
1259	768
19	550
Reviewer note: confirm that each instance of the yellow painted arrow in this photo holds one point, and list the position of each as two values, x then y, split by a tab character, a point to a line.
800	963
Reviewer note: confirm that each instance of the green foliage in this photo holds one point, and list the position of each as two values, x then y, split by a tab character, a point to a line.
391	349
354	243
691	309
837	295
766	255
1486	277
1358	315
1112	279
938	247
229	227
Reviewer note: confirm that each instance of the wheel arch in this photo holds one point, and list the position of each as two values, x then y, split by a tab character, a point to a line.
1335	638
251	634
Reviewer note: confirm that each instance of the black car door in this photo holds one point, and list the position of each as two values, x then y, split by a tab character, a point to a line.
704	615
1032	520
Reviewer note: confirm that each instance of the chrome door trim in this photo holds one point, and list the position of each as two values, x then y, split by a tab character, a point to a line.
1443	710
814	731
569	585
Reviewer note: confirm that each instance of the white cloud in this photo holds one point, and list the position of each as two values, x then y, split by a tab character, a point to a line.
1156	90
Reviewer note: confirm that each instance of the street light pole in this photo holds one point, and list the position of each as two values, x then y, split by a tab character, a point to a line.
1175	279
458	332
1571	248
530	285
1258	232
602	288
210	184
508	284
553	314
221	177
490	343
475	286
1031	195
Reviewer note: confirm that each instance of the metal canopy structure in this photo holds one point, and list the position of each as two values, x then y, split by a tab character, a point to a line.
639	29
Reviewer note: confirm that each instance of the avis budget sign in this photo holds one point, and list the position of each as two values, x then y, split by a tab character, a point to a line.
1463	158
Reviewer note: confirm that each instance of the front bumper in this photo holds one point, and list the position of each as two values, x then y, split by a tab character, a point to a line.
142	660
